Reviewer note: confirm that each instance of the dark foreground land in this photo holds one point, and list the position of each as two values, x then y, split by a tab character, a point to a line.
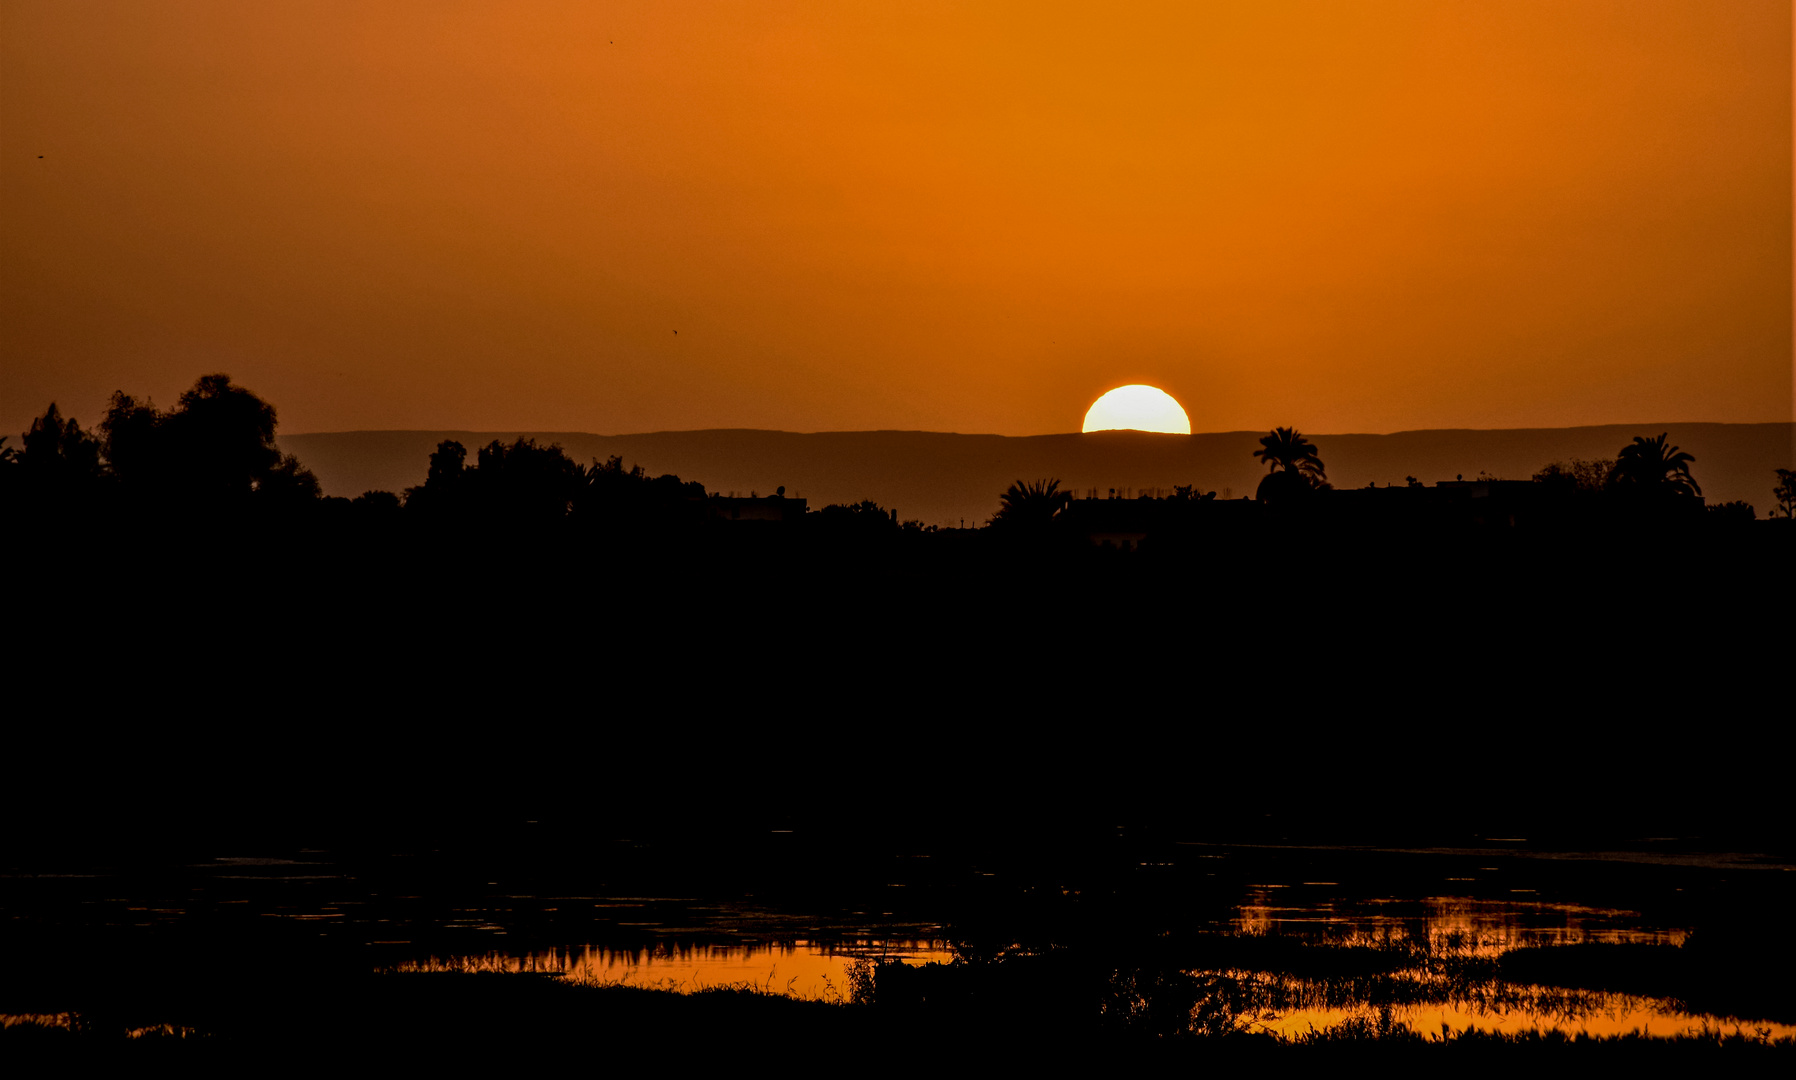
197	676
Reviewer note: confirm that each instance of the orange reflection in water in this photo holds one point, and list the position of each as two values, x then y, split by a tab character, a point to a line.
801	968
72	1021
1451	924
1617	1015
1432	1003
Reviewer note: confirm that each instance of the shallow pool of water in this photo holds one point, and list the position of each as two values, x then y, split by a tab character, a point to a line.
1603	1015
802	968
1468	925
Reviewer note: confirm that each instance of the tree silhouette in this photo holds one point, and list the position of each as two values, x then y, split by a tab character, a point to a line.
1650	467
58	469
441	493
58	453
288	485
608	494
220	440
1288	451
128	435
214	449
522	481
447	463
1786	491
1296	467
1030	505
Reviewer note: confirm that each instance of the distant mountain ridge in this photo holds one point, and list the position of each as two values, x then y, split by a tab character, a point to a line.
942	478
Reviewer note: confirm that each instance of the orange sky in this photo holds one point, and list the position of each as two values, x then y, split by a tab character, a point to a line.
1363	216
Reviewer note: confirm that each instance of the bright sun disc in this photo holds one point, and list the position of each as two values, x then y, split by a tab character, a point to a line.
1139	408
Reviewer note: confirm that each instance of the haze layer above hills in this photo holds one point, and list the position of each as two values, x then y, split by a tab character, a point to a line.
943	479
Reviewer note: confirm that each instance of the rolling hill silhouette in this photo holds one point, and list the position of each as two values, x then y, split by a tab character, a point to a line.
942	478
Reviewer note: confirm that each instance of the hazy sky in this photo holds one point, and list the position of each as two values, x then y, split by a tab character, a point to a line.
977	216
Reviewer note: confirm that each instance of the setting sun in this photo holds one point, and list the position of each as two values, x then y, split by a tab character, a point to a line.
1138	408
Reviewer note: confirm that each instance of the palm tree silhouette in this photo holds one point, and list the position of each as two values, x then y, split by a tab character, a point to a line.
1294	463
1032	504
1287	450
1650	466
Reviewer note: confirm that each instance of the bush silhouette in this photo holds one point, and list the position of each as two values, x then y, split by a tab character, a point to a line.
1582	478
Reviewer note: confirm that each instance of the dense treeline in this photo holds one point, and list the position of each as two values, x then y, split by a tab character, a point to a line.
213	456
178	549
213	453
